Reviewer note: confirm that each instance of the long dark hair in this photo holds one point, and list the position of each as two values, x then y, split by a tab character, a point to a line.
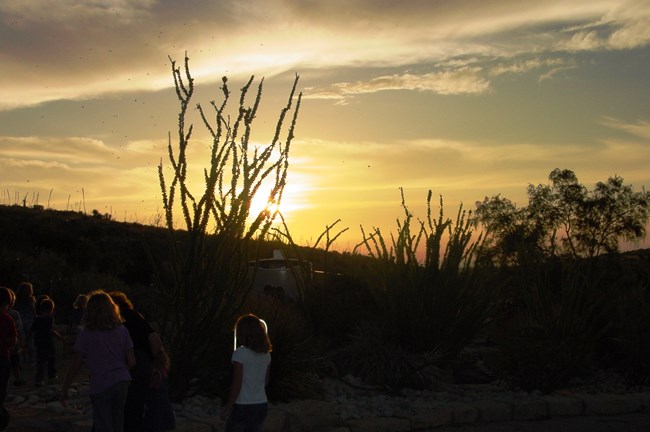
251	333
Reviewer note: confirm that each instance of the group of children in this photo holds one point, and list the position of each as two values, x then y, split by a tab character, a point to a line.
33	318
27	334
16	335
107	345
104	344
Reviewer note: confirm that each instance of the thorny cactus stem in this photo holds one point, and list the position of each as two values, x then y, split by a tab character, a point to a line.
205	283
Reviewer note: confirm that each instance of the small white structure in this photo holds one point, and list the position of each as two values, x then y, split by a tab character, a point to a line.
279	276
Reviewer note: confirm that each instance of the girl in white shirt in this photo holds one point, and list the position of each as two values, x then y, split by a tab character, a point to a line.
247	406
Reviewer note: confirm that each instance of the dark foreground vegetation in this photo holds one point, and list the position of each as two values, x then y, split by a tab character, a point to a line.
541	323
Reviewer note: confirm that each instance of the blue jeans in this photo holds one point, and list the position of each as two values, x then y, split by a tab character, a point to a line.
247	418
108	408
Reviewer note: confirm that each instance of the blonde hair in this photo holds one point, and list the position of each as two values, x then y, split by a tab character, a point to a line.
101	312
12	298
251	332
121	300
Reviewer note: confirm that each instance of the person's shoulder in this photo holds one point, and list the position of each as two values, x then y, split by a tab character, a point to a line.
241	352
123	331
7	323
246	352
40	320
132	315
134	318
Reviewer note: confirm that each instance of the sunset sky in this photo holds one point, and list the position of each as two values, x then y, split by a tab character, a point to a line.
468	98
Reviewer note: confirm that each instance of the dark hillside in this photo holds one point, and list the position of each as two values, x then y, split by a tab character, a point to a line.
64	253
85	242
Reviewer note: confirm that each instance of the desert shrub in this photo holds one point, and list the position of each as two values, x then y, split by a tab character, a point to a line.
336	304
11	267
445	311
371	354
556	321
627	347
298	354
437	306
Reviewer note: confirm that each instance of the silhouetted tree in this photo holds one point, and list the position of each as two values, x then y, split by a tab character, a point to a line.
564	218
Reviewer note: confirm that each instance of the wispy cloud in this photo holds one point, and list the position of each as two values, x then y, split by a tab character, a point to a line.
80	151
640	129
69	11
459	167
463	80
523	66
620	28
83	49
460	76
627	155
37	165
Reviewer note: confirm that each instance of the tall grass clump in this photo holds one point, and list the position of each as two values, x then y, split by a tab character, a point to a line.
627	346
630	346
558	316
298	353
427	311
203	282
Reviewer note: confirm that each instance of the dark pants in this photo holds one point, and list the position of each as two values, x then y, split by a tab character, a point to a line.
138	390
158	412
108	408
5	370
247	418
46	360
